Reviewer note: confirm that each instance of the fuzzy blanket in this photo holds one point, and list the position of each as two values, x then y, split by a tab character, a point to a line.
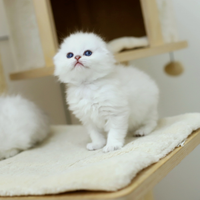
62	163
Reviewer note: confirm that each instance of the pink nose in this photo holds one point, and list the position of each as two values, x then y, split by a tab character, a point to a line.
77	57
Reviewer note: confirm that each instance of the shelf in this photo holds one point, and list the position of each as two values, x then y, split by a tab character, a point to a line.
33	73
150	51
120	57
139	186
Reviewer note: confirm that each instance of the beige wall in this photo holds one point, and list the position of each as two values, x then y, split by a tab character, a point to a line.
178	95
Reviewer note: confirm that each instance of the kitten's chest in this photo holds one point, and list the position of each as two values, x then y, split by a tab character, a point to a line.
84	101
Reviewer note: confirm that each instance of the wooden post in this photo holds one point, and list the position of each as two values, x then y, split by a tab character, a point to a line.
2	79
46	28
152	22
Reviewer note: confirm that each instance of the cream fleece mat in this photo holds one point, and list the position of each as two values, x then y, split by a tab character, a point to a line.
62	162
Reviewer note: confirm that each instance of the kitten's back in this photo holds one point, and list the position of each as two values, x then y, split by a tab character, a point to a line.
141	92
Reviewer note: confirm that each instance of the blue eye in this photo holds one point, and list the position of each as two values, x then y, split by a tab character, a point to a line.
70	55
88	53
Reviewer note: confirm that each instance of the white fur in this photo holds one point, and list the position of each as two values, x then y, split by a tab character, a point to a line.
121	43
22	124
104	96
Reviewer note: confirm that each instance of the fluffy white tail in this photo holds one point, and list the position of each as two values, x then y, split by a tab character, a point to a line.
119	44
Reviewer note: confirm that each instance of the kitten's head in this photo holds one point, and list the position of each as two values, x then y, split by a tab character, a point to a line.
83	57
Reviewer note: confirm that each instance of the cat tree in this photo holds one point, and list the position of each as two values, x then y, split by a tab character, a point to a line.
47	22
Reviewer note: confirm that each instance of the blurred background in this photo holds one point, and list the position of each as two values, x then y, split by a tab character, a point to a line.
179	94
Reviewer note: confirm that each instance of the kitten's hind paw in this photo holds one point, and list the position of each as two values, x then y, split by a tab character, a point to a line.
143	131
138	134
95	146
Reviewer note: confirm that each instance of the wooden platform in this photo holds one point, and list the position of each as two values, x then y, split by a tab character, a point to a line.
141	184
120	57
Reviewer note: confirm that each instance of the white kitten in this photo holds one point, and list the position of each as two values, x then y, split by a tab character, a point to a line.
105	96
22	124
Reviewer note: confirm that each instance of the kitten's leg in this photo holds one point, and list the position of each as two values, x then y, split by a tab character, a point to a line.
98	140
115	139
148	126
118	127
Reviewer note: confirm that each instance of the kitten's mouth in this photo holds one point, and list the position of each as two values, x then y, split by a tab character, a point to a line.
78	63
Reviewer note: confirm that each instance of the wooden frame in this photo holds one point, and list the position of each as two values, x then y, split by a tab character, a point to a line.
141	184
50	44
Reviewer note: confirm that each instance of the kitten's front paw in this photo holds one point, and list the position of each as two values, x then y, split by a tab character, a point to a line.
9	153
112	147
95	146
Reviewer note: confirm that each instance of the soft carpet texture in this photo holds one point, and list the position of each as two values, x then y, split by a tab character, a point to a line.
62	162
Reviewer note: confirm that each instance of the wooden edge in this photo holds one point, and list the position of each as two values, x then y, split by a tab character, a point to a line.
141	184
34	73
148	196
149	177
120	57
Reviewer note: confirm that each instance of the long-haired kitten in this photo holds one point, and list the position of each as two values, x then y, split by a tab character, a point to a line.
22	124
106	97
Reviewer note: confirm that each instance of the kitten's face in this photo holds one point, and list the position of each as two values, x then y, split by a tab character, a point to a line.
83	57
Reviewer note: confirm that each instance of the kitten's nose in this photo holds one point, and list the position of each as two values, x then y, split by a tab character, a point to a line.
77	57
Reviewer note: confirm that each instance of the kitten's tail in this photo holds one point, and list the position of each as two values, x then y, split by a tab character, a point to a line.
119	44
